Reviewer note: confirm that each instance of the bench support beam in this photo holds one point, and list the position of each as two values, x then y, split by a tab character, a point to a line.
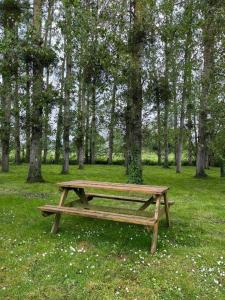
55	226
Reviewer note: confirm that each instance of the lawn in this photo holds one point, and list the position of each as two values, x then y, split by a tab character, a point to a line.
96	259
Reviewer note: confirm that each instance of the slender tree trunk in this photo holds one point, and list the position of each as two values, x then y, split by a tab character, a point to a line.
58	144
17	122
93	125
207	84
5	121
186	85
59	129
175	122
47	42
81	122
112	124
34	173
159	137
222	168
166	108
190	127
45	134
136	44
28	115
87	129
68	85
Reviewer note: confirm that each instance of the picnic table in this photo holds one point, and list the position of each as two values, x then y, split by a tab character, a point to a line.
156	195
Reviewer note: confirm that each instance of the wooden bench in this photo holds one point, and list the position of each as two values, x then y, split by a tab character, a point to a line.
157	196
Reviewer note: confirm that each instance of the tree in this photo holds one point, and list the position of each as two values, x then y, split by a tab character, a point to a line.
68	86
208	32
186	92
134	115
34	173
9	16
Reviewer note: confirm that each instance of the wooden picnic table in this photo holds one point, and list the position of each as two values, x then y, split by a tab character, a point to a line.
156	195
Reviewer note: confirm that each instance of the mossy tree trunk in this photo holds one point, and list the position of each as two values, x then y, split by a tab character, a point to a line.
208	32
112	124
68	85
34	173
135	45
186	84
93	124
27	113
59	128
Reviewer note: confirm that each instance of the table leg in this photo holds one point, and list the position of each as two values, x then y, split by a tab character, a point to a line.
55	226
156	225
166	209
81	193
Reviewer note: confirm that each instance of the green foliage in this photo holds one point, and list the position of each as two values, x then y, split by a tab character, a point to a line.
10	11
43	56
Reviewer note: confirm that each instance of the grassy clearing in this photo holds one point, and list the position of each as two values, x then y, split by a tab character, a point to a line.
95	259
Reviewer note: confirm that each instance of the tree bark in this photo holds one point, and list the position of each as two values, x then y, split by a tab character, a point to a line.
135	45
34	173
59	129
5	121
186	85
207	83
166	107
68	85
159	137
47	42
112	124
28	116
93	125
222	169
81	122
87	129
17	122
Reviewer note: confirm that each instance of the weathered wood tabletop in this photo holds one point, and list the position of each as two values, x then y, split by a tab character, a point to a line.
157	196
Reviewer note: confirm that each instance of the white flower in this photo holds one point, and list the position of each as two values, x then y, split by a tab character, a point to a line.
72	249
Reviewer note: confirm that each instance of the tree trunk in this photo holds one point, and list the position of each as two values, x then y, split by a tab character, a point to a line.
207	85
222	168
45	134
190	126
93	125
112	124
17	122
135	45
59	129
68	85
159	137
28	116
186	85
87	129
58	144
166	107
81	122
47	42
34	173
5	121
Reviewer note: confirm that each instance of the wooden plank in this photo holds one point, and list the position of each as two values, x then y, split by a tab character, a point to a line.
81	193
166	209
55	226
156	225
99	215
115	197
147	189
147	203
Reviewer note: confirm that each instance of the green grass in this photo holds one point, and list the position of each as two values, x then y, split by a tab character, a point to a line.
96	259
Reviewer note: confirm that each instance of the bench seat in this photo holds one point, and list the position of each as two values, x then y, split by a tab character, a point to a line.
101	213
